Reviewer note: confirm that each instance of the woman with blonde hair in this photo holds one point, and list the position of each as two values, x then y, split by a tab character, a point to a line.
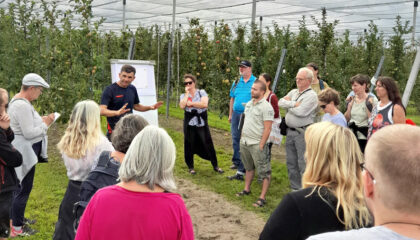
142	204
80	147
332	194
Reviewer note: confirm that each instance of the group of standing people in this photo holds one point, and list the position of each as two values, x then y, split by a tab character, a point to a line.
325	163
251	127
325	160
24	134
252	124
141	157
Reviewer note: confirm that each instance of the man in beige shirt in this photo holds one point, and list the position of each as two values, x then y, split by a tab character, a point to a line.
259	115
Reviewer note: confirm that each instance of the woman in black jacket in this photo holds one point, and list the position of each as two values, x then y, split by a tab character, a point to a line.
332	194
9	159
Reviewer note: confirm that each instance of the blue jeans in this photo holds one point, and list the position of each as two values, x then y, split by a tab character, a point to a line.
236	136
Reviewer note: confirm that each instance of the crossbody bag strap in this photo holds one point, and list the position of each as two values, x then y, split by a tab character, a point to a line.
15	99
303	93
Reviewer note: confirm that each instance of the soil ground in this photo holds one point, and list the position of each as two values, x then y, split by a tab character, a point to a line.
213	216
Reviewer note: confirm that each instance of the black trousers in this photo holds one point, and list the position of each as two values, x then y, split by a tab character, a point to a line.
5	205
64	229
21	195
197	140
362	144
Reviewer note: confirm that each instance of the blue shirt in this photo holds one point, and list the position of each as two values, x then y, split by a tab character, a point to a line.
338	119
114	97
241	93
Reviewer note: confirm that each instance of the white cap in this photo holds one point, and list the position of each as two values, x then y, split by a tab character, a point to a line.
33	79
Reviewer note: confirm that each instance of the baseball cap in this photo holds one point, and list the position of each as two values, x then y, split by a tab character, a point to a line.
244	63
33	79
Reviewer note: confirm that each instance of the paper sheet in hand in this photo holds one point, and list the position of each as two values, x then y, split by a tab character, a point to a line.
56	116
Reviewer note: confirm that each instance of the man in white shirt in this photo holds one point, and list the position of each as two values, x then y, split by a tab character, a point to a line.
301	105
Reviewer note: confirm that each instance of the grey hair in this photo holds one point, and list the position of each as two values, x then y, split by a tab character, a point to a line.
309	73
150	159
125	131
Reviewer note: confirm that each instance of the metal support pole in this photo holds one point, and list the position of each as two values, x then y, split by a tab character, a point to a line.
411	79
413	41
47	46
168	87
378	71
158	60
177	61
261	18
124	3
131	48
254	12
279	67
168	82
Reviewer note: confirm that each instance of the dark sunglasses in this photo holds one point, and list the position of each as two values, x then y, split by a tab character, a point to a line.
188	83
323	106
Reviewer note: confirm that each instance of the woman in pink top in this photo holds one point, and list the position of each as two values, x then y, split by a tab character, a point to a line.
142	205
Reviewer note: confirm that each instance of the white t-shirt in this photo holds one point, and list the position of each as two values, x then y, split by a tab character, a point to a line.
78	169
374	233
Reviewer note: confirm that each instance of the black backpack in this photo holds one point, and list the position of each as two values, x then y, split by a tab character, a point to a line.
105	174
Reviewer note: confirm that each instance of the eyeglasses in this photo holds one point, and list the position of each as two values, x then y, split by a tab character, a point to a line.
362	166
302	79
323	106
188	83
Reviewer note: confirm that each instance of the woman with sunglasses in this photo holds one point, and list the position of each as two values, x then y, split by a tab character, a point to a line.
197	138
332	195
329	100
389	109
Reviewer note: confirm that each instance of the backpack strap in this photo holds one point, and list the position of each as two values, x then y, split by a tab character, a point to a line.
321	84
104	159
235	84
269	99
15	99
368	104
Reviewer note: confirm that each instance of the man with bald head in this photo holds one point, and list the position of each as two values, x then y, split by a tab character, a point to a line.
301	105
391	180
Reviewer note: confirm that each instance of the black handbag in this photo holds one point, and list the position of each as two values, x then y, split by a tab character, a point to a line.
283	126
